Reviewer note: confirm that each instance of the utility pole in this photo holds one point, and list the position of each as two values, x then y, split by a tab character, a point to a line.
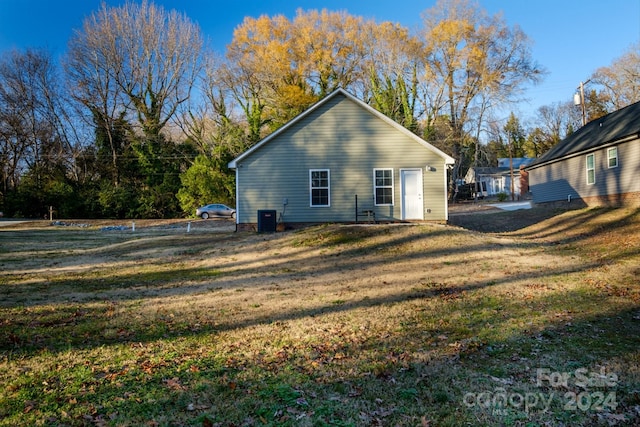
581	101
584	112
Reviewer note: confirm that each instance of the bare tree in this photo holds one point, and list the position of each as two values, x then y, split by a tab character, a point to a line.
31	114
136	58
136	64
93	79
552	123
620	82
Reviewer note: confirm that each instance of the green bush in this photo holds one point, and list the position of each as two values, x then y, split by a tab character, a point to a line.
502	197
206	181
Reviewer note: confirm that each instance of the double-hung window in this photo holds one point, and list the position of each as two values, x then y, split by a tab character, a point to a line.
319	187
612	157
383	186
591	168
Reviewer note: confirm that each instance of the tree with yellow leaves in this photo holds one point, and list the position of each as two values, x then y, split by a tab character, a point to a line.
473	62
462	63
276	67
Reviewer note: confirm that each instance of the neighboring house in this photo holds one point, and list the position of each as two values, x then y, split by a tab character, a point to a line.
314	168
495	180
597	165
516	162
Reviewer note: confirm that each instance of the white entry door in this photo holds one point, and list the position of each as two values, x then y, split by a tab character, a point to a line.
412	205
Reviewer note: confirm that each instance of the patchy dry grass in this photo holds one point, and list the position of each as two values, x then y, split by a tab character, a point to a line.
331	325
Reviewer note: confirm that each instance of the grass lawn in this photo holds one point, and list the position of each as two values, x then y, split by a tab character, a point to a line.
493	321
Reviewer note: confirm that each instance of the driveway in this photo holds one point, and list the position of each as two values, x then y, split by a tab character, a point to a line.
512	206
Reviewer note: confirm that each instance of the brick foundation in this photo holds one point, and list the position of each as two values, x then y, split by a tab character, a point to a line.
614	200
626	199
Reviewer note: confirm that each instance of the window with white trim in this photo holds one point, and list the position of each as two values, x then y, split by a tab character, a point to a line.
612	157
591	168
383	187
319	187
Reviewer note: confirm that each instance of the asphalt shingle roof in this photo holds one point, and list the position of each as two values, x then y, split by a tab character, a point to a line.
610	128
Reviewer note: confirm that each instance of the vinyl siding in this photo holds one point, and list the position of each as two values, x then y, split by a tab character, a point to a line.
556	181
349	141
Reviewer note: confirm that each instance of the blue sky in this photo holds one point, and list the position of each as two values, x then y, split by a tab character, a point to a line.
571	38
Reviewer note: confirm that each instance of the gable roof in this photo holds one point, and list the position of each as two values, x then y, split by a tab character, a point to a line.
448	159
605	130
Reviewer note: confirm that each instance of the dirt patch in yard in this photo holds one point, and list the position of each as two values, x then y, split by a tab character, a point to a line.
489	219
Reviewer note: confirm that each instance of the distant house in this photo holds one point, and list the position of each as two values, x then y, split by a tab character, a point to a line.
597	165
495	180
341	161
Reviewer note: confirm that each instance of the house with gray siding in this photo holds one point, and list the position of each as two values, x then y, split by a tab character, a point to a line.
597	165
496	180
341	161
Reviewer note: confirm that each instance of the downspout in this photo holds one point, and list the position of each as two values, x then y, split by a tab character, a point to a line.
237	192
446	187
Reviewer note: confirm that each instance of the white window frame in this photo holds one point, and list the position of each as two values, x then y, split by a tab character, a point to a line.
591	178
376	186
311	188
614	157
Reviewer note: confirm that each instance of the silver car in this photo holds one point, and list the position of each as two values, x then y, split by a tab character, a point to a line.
215	209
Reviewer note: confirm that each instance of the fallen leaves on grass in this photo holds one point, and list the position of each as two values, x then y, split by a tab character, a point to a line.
174	384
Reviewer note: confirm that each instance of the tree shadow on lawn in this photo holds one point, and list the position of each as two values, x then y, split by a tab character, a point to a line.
68	324
116	286
584	223
573	339
82	322
503	221
167	280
